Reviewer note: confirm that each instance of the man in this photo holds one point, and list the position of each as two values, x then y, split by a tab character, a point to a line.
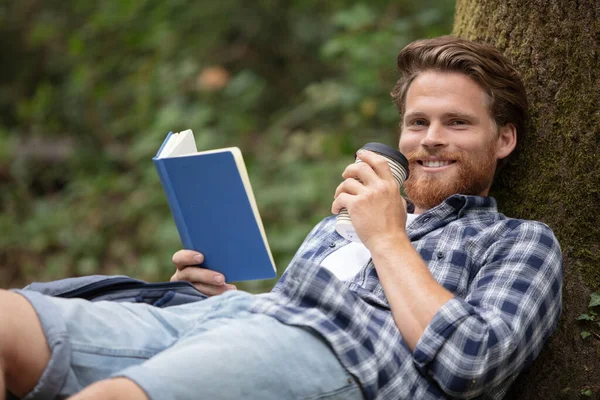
454	304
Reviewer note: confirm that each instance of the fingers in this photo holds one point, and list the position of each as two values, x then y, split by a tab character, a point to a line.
185	258
378	164
373	167
372	175
206	281
211	290
361	171
341	201
199	275
350	185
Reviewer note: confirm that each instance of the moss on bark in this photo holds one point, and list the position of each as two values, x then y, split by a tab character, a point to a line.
555	174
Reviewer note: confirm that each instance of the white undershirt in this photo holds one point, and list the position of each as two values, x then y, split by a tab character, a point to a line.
345	262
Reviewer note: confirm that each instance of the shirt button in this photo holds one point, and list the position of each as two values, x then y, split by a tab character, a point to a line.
332	245
439	255
426	219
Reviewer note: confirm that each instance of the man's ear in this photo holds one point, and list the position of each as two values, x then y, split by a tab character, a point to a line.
507	141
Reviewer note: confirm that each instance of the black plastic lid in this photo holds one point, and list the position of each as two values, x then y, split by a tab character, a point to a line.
387	151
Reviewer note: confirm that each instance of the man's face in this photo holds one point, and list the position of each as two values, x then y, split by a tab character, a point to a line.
449	138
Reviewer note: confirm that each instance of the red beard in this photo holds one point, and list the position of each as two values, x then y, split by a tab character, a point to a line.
473	177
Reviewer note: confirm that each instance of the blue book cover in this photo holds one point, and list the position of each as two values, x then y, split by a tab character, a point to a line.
214	208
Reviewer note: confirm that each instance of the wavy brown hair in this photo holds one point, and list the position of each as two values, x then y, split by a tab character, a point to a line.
491	70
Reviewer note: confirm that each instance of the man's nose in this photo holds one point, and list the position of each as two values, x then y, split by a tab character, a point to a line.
434	137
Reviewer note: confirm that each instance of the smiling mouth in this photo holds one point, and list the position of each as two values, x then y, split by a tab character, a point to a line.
435	163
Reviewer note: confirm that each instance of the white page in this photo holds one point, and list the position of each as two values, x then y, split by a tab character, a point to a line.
179	144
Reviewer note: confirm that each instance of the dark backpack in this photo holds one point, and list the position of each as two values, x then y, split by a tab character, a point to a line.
120	288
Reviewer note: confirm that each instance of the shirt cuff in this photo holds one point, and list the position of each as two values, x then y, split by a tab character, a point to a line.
440	329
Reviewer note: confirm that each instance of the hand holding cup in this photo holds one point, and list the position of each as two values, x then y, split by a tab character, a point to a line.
399	168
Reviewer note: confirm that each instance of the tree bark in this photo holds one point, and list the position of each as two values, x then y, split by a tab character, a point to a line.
555	175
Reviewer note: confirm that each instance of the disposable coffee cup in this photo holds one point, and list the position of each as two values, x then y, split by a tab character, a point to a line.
399	167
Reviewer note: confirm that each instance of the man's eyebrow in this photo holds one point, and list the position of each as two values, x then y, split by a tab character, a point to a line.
463	115
453	114
414	115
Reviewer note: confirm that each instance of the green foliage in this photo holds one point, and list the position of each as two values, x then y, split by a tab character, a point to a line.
587	317
590	317
89	90
594	300
585	334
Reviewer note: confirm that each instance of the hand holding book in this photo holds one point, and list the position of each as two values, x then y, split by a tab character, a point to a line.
214	208
205	280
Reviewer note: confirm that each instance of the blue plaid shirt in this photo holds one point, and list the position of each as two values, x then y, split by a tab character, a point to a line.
505	275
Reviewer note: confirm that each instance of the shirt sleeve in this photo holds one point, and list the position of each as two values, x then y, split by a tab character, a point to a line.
513	306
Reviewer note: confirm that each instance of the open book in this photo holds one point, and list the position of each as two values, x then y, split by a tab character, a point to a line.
214	208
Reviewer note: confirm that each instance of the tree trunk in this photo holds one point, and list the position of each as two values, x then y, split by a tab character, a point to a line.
555	175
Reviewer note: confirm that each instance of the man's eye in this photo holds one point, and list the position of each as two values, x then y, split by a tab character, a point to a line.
458	122
418	122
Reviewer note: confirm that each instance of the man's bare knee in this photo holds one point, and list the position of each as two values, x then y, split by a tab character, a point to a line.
112	389
24	352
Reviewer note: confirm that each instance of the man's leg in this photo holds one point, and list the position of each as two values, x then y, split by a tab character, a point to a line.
245	356
112	389
216	349
53	348
24	351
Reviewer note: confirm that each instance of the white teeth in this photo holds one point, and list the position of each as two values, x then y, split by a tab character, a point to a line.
436	164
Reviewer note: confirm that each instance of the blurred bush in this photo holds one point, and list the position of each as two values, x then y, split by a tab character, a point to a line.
88	91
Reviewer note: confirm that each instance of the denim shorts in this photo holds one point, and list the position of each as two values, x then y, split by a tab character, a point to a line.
212	349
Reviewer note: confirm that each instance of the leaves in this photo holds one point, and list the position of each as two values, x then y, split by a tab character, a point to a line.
591	316
585	317
356	17
297	85
594	299
585	334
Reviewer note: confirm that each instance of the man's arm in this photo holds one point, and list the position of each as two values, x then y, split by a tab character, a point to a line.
378	213
412	292
512	307
466	345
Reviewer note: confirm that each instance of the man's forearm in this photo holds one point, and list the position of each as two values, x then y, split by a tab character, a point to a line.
412	292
